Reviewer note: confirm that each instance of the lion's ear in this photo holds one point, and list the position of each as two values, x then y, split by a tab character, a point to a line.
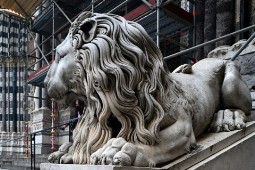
87	29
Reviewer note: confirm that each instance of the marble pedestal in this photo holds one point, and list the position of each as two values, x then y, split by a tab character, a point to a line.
226	150
41	119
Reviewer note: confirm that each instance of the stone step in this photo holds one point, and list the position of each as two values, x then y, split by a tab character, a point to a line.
226	150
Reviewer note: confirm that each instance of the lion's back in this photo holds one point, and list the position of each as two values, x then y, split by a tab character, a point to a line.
203	85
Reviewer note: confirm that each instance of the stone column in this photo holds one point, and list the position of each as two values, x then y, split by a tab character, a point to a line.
3	93
8	108
23	98
209	25
237	18
14	94
199	15
18	97
46	49
37	66
224	20
252	12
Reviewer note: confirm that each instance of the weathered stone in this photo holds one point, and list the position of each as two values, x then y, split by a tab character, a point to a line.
209	25
214	151
225	20
137	113
245	61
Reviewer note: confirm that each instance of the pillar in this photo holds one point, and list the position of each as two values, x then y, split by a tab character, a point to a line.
4	94
45	49
209	25
37	66
199	15
224	20
14	95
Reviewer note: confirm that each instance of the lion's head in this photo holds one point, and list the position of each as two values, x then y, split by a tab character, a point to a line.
118	69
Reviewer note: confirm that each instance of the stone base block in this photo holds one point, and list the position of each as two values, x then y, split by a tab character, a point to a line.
226	150
49	166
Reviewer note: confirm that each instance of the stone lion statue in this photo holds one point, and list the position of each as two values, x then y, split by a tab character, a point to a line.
137	112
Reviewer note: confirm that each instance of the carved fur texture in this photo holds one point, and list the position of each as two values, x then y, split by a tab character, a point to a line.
118	70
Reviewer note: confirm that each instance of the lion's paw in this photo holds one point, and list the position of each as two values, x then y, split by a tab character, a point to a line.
228	120
121	153
55	157
66	159
185	68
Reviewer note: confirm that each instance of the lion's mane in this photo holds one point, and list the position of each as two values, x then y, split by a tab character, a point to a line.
125	77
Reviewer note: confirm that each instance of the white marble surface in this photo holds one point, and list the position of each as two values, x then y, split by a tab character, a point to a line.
214	149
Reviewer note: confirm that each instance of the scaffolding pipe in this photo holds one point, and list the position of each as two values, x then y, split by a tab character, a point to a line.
209	42
92	6
59	30
62	28
61	11
35	63
243	47
147	3
158	17
38	46
144	16
173	41
120	5
166	2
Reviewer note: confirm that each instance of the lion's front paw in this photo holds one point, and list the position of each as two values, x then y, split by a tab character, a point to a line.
129	155
122	153
55	157
66	159
228	120
126	156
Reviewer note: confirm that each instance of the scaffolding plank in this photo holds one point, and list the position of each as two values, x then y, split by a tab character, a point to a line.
178	13
142	9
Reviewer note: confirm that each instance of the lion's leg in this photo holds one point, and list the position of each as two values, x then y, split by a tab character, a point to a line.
235	93
175	140
236	102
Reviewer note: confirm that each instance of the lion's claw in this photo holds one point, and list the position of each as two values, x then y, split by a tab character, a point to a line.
228	120
120	152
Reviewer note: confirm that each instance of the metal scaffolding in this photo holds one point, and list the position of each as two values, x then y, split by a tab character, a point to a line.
145	10
159	17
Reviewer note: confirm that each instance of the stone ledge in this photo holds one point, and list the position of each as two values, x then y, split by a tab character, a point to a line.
208	145
49	166
239	155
